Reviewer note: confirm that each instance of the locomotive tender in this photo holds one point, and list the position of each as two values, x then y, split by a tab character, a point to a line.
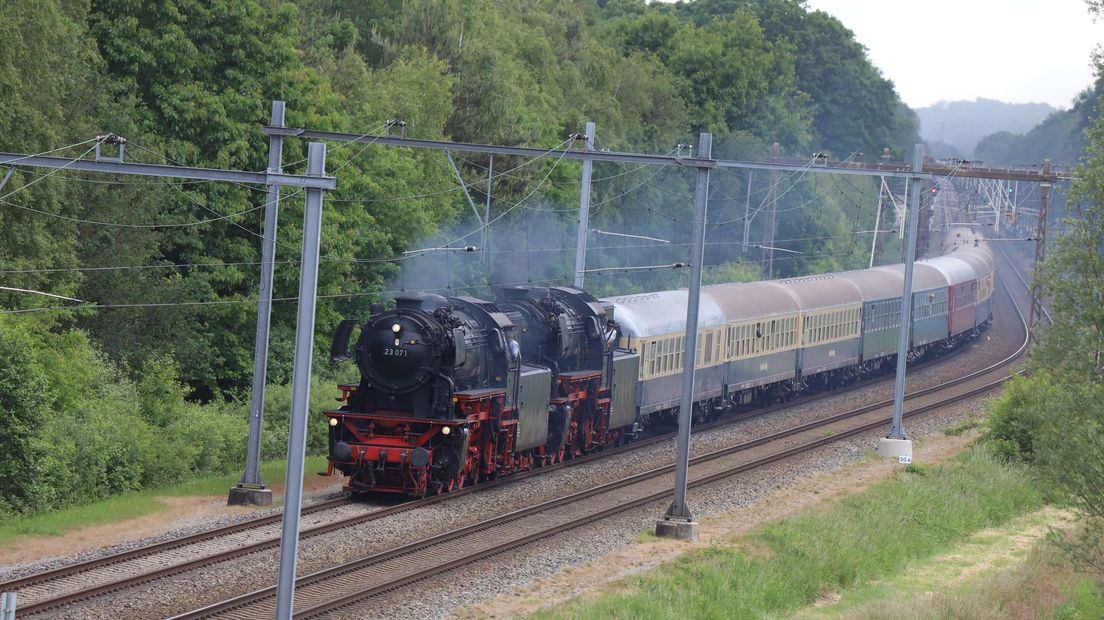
455	390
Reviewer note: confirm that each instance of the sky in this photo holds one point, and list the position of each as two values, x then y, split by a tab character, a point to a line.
1017	51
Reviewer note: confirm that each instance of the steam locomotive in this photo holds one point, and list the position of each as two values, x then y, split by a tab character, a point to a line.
457	390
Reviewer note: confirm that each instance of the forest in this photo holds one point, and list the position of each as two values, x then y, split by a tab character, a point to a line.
140	378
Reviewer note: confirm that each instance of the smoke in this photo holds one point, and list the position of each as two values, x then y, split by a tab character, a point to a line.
535	243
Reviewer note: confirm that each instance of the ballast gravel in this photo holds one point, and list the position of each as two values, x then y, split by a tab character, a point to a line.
438	597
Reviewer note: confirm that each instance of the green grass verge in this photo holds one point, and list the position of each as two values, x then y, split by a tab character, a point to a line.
1008	571
139	503
787	565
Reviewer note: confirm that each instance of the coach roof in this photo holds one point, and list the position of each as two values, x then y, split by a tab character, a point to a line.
750	300
875	284
654	314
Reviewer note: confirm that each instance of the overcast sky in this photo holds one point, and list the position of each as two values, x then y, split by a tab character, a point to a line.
1016	51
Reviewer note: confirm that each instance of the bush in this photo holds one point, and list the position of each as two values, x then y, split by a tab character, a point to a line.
22	384
76	429
1016	417
277	415
1057	424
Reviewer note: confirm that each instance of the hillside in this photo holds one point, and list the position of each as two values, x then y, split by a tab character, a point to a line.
167	273
953	128
1059	137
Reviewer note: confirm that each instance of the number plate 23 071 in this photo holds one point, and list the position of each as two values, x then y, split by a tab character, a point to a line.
389	352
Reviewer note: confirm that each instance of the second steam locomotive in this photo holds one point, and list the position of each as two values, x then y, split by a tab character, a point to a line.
456	390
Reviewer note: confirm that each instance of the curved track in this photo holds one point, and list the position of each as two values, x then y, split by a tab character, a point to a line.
330	591
61	587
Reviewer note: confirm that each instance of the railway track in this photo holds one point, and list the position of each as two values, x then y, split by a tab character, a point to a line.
330	591
68	585
72	584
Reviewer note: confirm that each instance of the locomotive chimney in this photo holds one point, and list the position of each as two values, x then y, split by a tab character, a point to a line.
427	302
509	293
412	301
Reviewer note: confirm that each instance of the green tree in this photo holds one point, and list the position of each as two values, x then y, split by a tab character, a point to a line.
855	108
1057	419
22	384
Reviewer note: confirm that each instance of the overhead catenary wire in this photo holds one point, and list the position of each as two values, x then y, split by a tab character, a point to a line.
226	302
797	177
524	198
799	173
43	293
140	267
221	217
97	141
597	206
55	150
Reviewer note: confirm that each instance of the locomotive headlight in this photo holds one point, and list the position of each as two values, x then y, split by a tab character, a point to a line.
333	421
396	328
445	430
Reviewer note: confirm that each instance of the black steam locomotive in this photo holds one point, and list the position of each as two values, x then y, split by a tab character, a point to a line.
455	390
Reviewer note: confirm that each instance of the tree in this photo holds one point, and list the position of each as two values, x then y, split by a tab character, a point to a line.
22	384
853	107
1058	421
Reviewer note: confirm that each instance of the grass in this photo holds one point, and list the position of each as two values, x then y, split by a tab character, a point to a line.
139	503
785	566
1009	571
955	431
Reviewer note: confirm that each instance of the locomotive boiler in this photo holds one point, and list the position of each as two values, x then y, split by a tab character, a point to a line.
438	399
455	390
574	335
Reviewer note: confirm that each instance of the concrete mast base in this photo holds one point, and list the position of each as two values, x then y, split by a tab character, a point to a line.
249	496
679	530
